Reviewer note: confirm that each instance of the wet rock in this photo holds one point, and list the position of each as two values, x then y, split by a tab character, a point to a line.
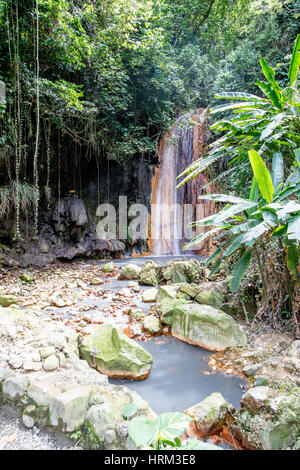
108	267
136	314
149	295
111	352
130	272
68	409
96	281
149	274
152	324
207	327
210	414
6	300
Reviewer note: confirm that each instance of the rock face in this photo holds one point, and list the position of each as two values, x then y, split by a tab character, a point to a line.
149	274
130	272
206	327
210	414
111	352
70	216
269	418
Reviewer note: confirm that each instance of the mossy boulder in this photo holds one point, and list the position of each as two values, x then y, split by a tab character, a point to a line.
111	352
6	300
167	307
182	270
152	324
108	267
207	327
210	414
207	293
269	419
149	274
169	292
130	272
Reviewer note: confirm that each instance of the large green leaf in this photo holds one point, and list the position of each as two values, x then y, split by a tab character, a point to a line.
252	235
239	270
226	198
196	444
237	95
295	63
170	425
293	256
277	169
262	175
142	431
294	228
201	237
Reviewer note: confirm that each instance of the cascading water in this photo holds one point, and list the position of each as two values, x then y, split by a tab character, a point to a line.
173	209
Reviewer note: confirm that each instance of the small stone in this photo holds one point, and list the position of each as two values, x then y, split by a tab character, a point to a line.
108	267
136	314
46	352
252	369
122	429
149	295
152	324
36	357
96	281
51	363
32	366
28	421
15	362
26	277
7	300
110	436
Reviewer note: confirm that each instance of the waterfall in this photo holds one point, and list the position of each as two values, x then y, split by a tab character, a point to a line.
172	209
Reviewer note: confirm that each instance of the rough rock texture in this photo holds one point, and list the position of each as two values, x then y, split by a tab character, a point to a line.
269	419
169	292
108	267
167	307
149	295
206	327
130	272
111	352
182	270
149	274
210	414
152	324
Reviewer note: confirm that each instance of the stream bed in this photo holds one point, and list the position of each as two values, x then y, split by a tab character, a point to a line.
179	380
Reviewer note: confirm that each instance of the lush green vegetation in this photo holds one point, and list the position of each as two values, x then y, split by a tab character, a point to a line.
266	226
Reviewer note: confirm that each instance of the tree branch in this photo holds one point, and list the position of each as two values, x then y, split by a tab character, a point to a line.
204	17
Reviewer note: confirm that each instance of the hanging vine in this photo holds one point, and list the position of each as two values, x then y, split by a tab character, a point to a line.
37	135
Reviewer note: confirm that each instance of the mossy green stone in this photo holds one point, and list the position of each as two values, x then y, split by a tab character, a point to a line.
6	300
108	267
207	327
111	352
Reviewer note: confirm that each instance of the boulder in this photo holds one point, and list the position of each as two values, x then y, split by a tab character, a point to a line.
152	324
269	419
15	388
111	352
108	267
182	270
167	307
210	414
130	272
208	293
207	327
68	409
149	295
149	274
6	300
169	292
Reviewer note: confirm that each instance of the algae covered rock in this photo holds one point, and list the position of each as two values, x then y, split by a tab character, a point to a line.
130	272
108	267
182	270
149	274
152	324
167	307
6	300
149	295
207	293
207	327
210	414
111	352
169	292
269	419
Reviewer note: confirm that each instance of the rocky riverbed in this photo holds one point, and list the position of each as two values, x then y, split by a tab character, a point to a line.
65	329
